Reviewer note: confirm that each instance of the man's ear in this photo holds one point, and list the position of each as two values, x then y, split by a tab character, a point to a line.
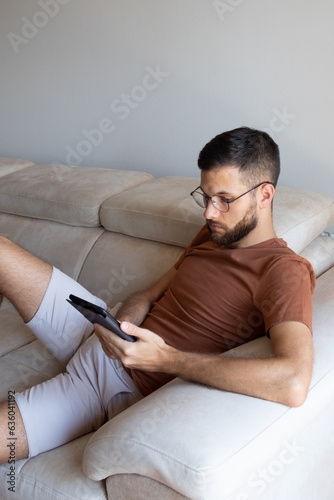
266	193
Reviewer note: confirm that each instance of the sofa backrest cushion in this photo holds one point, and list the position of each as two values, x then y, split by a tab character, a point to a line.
8	165
160	210
62	193
163	210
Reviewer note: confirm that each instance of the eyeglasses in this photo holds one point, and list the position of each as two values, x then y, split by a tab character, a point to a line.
219	202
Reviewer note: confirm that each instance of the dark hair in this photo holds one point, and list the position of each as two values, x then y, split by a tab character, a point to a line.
252	151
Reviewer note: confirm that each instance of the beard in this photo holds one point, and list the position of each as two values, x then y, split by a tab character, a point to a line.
237	233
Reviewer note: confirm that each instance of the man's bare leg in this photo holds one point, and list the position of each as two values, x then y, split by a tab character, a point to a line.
23	278
9	447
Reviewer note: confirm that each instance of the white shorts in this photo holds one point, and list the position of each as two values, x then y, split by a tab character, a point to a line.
94	387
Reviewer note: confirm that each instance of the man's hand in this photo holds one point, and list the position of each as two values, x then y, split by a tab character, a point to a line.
149	353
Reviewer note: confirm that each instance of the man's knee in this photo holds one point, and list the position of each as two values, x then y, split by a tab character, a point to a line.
13	438
5	243
7	248
24	278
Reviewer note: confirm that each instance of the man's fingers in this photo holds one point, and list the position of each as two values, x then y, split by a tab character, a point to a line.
136	331
107	340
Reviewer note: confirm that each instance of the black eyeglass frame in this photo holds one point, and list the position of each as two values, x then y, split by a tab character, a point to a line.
207	198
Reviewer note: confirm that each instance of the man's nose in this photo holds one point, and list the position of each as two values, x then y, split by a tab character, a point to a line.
211	212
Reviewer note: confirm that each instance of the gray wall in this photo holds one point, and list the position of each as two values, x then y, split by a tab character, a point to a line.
145	84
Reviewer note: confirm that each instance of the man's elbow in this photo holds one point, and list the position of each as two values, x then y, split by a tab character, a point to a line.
297	391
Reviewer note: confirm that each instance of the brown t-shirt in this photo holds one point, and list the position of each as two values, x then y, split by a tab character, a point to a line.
223	297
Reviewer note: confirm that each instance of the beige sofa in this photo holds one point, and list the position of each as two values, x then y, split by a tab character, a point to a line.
116	231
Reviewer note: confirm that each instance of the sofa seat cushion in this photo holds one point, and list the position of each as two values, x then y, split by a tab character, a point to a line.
54	475
14	333
25	367
71	195
135	487
163	210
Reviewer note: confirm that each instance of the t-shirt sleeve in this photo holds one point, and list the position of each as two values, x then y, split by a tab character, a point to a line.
285	292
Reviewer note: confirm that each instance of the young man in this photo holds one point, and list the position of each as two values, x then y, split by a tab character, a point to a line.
235	282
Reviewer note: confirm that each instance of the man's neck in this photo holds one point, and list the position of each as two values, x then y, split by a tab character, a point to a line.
263	232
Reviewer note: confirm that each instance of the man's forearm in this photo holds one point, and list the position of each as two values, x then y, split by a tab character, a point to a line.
273	379
253	377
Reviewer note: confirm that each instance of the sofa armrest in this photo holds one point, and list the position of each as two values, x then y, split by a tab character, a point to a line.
205	443
189	437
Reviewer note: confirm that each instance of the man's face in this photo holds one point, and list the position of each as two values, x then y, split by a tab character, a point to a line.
231	227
